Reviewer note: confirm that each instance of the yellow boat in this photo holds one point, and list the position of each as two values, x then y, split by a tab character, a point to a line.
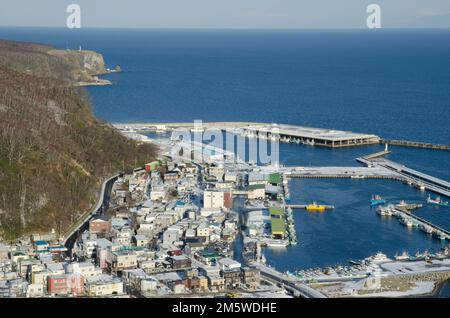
315	207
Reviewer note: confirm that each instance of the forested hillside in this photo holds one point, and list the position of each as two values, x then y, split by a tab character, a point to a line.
53	152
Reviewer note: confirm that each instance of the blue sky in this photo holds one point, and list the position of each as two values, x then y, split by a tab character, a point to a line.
253	14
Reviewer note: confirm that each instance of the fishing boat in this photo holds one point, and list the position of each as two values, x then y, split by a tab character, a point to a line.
315	207
377	200
384	211
406	221
429	229
378	258
403	257
353	262
438	201
419	255
439	255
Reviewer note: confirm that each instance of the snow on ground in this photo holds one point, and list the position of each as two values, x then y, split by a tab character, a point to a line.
417	267
419	288
370	288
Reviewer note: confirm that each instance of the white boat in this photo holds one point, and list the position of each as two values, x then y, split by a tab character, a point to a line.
402	257
379	258
276	243
383	211
437	201
428	229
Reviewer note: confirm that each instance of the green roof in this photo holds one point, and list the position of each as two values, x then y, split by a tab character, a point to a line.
211	255
276	211
275	178
256	186
277	225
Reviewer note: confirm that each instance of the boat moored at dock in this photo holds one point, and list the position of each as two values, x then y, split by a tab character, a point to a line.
377	200
437	201
317	207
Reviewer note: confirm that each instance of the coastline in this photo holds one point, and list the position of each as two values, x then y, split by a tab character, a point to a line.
436	291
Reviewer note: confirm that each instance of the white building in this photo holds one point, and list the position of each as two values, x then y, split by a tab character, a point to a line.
203	230
213	199
104	285
157	193
85	269
228	264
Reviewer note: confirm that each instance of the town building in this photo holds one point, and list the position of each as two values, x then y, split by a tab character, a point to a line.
179	262
119	260
104	285
251	277
100	225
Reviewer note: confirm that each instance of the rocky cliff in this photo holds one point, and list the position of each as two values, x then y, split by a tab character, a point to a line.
46	61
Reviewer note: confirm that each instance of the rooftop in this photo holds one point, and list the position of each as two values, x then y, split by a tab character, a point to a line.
309	132
276	211
277	225
256	186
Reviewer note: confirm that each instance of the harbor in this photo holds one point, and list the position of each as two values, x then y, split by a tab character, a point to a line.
269	243
380	276
295	134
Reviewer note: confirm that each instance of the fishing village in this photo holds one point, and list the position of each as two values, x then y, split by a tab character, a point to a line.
199	219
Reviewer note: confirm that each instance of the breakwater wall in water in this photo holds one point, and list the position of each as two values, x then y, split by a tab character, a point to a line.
414	144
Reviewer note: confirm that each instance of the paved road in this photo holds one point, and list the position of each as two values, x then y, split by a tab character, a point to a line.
289	281
100	207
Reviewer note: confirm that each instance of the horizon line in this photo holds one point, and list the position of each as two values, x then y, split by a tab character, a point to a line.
228	28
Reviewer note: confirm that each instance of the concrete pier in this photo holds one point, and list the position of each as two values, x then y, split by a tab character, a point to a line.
279	132
424	224
340	172
304	206
411	176
310	136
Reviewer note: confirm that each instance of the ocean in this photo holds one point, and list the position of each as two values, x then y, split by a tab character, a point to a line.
393	83
389	82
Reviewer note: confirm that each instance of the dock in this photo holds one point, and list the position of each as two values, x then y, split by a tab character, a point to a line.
411	176
423	224
310	136
279	132
340	172
283	133
303	206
